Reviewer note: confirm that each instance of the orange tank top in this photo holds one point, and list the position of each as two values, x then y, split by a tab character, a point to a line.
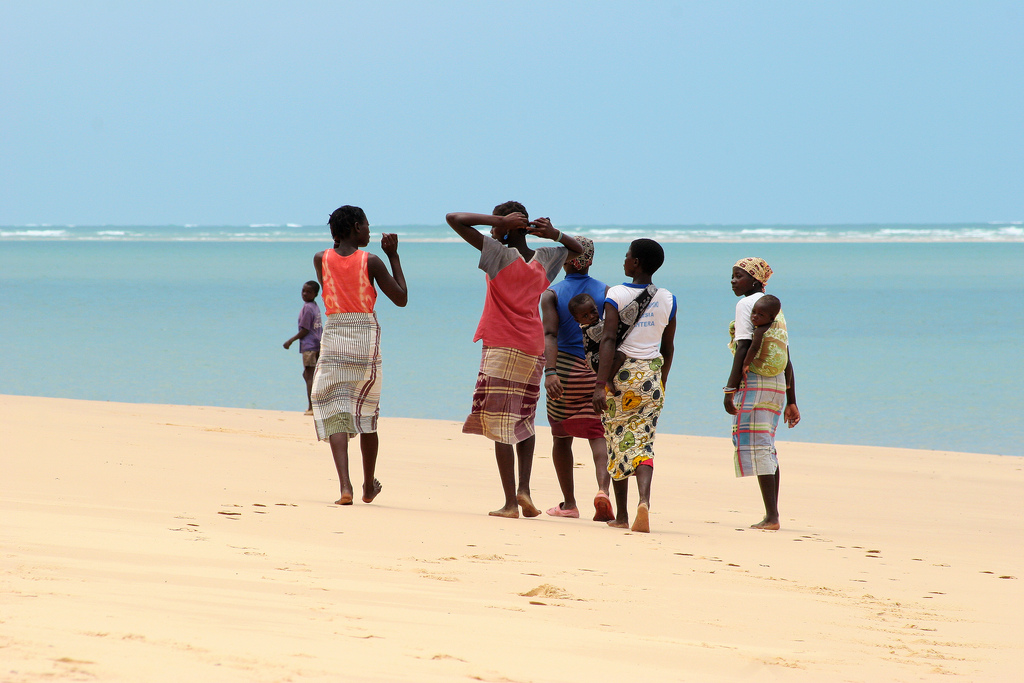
347	286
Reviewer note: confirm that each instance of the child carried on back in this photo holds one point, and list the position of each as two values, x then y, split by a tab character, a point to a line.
768	346
584	311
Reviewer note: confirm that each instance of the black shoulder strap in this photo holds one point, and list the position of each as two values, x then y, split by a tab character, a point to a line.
631	312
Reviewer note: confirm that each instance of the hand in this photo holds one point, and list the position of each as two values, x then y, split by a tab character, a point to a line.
542	228
288	343
553	386
506	224
600	400
389	243
730	407
791	415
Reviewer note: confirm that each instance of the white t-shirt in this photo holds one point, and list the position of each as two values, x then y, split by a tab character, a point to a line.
745	328
644	340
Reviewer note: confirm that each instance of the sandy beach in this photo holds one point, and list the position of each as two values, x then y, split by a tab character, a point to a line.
171	543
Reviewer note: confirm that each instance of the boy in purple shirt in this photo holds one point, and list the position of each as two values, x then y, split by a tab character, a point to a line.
309	337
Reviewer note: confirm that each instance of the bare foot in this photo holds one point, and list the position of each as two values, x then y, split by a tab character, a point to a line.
619	525
529	509
507	511
766	525
346	499
642	523
368	496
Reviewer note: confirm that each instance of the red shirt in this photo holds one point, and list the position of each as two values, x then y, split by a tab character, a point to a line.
347	286
511	316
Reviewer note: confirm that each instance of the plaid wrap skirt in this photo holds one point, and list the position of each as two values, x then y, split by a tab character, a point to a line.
760	401
506	395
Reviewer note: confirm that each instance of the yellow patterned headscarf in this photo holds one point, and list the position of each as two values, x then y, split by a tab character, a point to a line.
757	267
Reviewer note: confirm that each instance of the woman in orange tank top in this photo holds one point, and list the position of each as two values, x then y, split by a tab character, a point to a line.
346	385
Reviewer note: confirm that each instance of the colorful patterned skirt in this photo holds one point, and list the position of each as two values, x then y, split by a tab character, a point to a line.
631	416
506	395
346	384
760	402
572	413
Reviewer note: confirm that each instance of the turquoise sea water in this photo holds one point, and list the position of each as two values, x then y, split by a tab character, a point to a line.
895	343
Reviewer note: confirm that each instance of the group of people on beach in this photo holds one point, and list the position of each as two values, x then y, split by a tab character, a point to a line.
603	354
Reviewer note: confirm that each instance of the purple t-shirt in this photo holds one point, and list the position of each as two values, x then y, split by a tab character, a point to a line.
309	319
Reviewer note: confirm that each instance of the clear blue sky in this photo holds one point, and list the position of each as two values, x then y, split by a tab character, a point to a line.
589	112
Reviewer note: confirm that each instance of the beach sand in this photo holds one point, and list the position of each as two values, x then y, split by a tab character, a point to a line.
171	543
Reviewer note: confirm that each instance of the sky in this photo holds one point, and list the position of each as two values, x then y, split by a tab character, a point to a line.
593	112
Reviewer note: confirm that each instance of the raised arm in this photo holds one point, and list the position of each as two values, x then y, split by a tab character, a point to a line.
549	316
542	228
464	224
393	287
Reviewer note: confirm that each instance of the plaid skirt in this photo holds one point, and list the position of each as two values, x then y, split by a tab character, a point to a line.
631	416
346	384
760	402
572	413
506	395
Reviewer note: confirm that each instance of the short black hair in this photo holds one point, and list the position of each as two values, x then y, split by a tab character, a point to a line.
579	300
344	219
509	207
649	253
314	285
771	303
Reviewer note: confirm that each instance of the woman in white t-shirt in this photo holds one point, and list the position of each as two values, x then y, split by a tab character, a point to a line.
630	402
760	398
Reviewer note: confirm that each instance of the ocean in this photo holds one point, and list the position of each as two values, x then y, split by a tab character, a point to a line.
898	332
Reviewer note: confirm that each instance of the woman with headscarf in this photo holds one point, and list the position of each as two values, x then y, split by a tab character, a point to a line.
758	400
569	383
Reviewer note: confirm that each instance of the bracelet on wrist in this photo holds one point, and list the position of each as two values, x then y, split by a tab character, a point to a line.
549	371
730	390
558	237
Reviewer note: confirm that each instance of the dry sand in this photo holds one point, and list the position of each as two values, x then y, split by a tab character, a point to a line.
170	543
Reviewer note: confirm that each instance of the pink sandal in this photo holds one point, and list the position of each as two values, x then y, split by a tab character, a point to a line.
603	507
558	511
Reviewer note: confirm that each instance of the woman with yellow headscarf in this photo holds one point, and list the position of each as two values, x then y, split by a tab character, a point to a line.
758	399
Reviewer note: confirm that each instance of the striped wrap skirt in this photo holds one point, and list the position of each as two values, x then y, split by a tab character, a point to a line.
347	380
572	413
